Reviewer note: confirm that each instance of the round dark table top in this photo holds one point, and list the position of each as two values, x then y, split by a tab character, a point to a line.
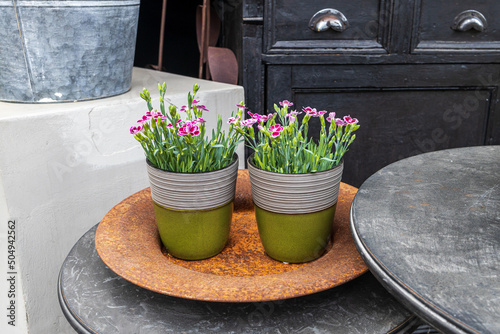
429	228
95	300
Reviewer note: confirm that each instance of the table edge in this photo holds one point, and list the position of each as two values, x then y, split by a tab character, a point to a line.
425	310
70	316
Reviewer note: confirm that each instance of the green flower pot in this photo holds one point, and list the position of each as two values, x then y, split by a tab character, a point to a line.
295	212
295	238
196	234
193	210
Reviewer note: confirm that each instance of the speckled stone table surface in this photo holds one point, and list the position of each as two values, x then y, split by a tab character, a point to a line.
429	229
95	300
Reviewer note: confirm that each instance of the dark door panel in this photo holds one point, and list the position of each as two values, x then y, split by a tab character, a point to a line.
403	110
396	123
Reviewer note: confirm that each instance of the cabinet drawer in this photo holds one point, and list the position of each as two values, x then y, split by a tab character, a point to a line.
287	26
452	25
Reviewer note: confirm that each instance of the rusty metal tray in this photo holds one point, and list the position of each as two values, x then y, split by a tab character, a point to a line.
127	241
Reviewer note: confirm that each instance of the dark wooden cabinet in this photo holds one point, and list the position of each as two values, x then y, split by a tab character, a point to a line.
415	83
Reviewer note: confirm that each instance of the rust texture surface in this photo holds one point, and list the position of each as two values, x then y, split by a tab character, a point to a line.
127	241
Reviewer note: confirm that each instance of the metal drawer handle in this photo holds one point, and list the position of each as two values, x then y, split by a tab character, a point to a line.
328	18
469	19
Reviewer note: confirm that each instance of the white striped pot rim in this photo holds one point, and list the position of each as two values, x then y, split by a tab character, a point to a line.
294	193
193	191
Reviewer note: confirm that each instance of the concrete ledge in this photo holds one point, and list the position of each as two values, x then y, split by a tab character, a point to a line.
63	166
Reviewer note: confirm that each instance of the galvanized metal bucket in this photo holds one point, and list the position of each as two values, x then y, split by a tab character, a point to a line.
66	50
